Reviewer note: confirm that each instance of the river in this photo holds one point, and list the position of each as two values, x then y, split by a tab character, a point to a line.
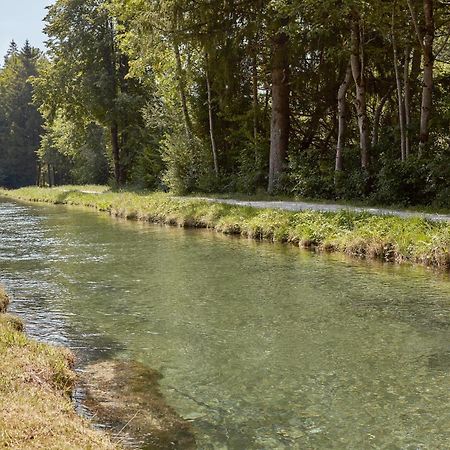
262	346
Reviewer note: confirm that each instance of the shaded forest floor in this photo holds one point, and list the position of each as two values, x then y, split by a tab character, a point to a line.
359	233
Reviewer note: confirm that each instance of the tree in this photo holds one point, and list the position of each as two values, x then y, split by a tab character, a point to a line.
20	122
297	96
279	129
87	78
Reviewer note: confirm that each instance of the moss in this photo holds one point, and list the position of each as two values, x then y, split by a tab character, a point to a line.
36	381
387	238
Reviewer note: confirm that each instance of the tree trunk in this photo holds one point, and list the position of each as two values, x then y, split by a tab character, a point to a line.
428	63
181	79
50	176
115	147
407	93
182	90
38	174
211	118
342	106
280	122
401	104
426	45
360	82
255	96
377	117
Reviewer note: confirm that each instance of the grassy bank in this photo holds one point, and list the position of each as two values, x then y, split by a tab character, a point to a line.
358	234
36	381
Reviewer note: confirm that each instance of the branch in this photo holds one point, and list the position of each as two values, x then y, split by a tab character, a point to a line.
416	25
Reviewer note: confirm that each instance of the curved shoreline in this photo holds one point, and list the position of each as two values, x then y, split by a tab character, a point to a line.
362	235
36	382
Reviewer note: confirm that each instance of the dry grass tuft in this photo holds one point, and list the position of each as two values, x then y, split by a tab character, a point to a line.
4	300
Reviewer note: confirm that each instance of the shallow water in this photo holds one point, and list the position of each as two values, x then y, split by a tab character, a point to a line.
262	346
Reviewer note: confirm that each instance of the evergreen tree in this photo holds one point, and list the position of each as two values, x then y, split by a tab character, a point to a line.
21	123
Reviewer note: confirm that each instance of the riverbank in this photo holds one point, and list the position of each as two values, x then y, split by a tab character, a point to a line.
359	234
36	382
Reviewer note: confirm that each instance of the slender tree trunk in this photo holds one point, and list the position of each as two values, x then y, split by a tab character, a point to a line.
182	90
115	147
401	104
50	175
255	95
377	117
342	107
266	103
426	45
114	66
38	174
211	118
280	122
357	63
428	66
181	79
407	92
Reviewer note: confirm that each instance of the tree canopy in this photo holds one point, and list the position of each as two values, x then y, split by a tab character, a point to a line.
326	99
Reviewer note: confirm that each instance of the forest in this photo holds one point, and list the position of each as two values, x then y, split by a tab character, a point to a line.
335	99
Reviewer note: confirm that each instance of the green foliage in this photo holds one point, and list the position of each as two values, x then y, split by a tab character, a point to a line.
418	180
188	167
252	171
309	176
152	93
20	122
86	85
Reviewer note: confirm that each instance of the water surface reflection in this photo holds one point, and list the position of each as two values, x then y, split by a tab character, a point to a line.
261	346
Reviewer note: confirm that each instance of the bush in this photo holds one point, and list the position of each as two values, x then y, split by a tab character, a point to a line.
252	172
188	164
147	172
415	181
354	185
310	177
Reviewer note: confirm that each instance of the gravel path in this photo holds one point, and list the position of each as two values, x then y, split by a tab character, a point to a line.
302	206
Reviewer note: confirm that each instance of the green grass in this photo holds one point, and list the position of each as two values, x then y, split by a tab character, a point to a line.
389	238
36	381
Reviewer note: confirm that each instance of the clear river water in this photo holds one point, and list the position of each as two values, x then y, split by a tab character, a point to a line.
261	346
